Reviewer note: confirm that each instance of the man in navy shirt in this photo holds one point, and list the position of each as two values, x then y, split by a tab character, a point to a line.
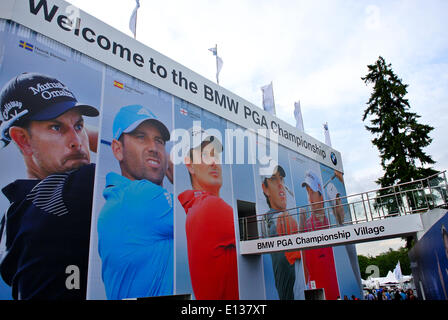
45	232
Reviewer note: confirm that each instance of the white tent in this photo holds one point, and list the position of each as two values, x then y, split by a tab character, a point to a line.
388	280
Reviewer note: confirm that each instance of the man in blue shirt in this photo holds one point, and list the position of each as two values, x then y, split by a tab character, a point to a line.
135	226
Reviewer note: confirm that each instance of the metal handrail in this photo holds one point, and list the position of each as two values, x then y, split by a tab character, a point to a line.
387	202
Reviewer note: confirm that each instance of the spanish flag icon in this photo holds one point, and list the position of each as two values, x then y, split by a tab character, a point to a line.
26	45
118	84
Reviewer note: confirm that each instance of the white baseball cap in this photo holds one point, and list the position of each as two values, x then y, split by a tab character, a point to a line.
312	181
272	167
197	136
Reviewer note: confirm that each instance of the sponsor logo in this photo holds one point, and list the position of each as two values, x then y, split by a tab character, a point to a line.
146	112
333	158
12	105
51	90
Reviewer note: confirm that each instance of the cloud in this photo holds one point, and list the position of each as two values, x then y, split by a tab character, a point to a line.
375	248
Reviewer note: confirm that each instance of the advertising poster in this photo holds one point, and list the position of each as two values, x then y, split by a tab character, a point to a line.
119	182
345	256
48	166
284	275
206	253
132	249
318	264
429	262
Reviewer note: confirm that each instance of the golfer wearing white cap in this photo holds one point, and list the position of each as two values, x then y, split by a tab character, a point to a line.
135	226
279	222
319	263
209	224
313	186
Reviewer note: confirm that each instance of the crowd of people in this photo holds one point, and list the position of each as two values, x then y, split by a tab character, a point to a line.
385	294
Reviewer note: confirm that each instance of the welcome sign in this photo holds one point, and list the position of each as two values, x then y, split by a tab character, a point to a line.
68	25
135	234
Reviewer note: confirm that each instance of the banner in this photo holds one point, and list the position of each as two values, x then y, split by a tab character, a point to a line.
374	230
133	18
268	98
327	135
103	43
429	261
219	62
298	116
136	168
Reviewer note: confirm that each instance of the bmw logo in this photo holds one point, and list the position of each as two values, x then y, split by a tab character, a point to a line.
333	158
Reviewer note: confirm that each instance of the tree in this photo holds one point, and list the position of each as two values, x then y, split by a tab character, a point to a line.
386	262
400	139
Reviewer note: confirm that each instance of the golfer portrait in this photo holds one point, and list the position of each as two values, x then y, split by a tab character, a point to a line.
319	263
46	228
278	222
209	225
135	225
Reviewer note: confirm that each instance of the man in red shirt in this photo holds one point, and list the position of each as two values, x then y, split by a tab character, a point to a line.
209	225
319	263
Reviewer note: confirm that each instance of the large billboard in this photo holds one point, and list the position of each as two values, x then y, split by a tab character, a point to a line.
125	174
429	262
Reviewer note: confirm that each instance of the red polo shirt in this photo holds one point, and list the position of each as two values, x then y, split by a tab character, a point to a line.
211	246
319	263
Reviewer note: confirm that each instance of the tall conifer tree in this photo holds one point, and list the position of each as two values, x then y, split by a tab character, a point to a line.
400	139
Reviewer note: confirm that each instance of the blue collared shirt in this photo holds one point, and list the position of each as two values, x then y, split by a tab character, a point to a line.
135	238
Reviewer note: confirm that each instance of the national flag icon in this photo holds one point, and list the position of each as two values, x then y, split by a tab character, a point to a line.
26	45
118	84
184	111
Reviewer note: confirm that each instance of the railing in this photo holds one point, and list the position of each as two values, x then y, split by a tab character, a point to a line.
407	198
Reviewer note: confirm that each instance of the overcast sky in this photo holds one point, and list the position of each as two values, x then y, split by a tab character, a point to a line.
312	51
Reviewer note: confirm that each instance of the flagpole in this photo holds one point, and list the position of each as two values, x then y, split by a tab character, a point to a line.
217	76
135	33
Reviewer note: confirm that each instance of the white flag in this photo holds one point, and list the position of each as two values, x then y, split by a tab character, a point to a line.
397	272
133	19
268	98
298	116
327	134
219	62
